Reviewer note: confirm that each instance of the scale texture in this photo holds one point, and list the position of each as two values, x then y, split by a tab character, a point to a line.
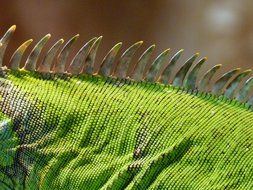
89	131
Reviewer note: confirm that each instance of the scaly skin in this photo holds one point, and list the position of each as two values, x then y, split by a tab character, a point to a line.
94	132
120	124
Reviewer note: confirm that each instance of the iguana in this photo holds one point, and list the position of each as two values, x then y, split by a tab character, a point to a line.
121	124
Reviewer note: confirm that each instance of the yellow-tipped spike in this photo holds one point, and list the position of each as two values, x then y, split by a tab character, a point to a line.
17	55
142	63
4	41
45	66
63	55
32	59
106	66
78	61
90	60
122	67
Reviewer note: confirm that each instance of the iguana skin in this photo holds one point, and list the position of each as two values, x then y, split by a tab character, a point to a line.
86	131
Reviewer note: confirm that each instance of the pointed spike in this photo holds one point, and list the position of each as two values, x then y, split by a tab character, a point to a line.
180	75
139	68
106	66
90	60
156	66
62	58
205	81
32	59
78	61
221	82
230	90
165	76
121	68
17	55
46	64
242	95
190	81
4	41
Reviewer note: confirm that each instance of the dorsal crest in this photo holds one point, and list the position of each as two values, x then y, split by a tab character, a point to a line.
122	66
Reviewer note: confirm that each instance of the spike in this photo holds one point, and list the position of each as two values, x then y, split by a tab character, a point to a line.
32	59
165	76
242	95
190	81
230	90
17	55
4	41
78	61
59	67
180	75
90	60
205	81
121	69
106	66
139	68
156	66
221	82
46	64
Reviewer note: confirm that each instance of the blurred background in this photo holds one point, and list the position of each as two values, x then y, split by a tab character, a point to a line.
220	30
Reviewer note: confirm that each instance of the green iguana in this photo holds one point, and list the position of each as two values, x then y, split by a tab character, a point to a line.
121	124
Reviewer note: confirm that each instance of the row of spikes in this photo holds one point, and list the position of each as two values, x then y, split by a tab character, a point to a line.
159	71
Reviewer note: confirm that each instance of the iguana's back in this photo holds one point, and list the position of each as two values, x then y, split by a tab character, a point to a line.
86	131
